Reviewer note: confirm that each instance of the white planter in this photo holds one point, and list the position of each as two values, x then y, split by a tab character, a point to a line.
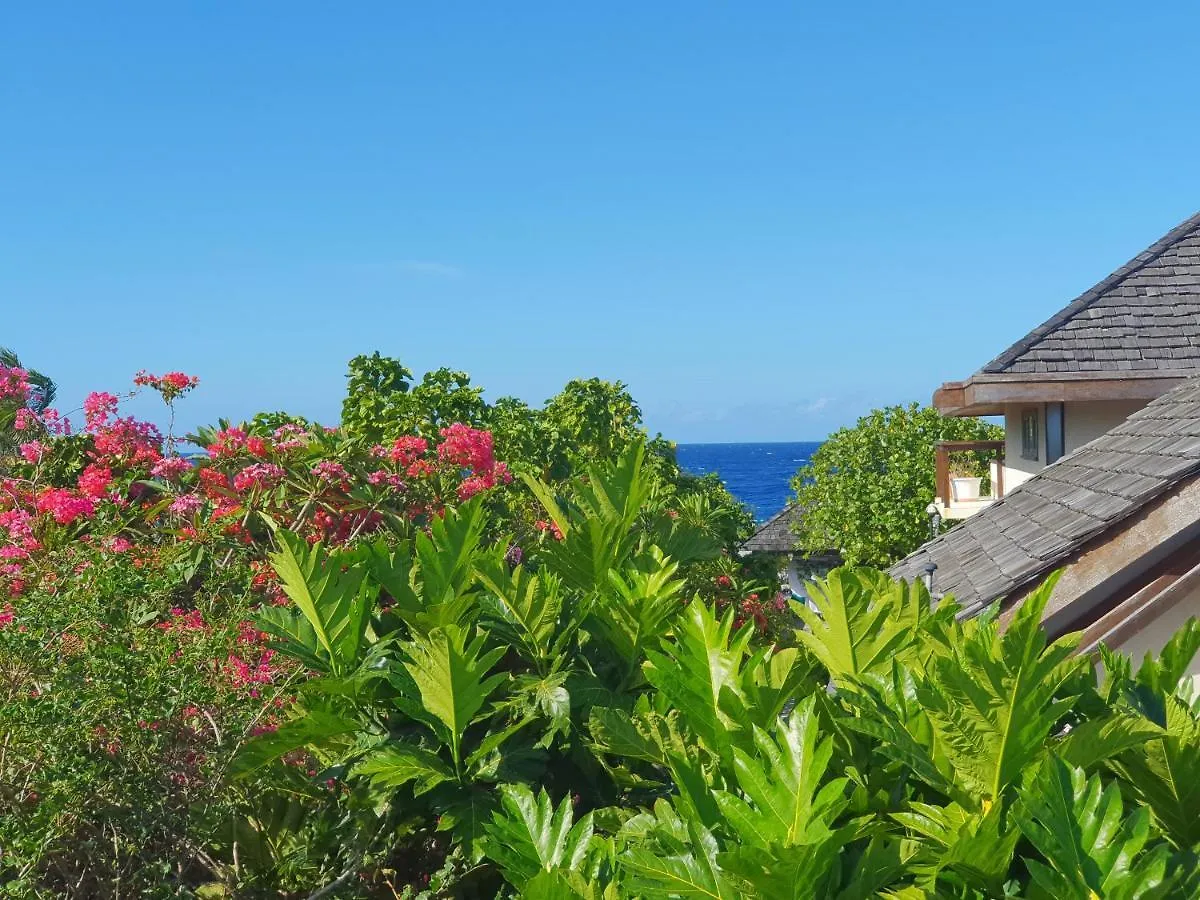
965	488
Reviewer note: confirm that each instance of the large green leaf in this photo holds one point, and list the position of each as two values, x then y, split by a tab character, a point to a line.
528	835
861	621
1088	850
598	534
995	701
449	670
1165	774
965	848
330	590
671	857
785	803
395	764
703	661
525	609
316	727
448	555
635	609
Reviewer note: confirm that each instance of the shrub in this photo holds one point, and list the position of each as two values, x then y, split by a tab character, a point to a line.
865	490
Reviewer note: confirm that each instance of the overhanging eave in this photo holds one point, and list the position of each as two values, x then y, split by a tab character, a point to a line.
987	395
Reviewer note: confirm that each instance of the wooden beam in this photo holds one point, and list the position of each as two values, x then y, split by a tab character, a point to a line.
987	395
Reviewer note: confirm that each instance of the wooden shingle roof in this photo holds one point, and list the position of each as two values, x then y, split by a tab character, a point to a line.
775	535
1144	316
1067	504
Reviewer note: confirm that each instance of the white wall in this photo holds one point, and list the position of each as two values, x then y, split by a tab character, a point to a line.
1156	632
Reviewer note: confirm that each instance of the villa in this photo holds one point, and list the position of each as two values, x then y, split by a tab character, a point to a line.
1099	472
1127	340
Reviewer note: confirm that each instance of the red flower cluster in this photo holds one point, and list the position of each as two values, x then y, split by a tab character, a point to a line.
170	385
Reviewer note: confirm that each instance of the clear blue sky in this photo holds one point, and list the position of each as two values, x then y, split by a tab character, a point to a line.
765	217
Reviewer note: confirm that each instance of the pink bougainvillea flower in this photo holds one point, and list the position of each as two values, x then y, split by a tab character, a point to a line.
65	506
258	475
227	442
185	504
14	384
467	448
98	408
331	471
32	451
170	467
94	481
7	615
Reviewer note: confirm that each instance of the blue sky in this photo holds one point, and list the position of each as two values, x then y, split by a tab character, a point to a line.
766	218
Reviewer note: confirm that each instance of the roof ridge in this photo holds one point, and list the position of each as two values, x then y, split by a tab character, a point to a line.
1092	294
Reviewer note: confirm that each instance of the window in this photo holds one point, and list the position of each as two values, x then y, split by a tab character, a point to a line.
1055	434
1029	434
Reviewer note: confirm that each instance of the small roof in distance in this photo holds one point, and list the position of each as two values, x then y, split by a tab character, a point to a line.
776	535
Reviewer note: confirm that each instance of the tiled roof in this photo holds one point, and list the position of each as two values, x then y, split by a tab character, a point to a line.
775	535
1065	505
1144	316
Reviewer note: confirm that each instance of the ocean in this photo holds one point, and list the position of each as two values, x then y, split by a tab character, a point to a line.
757	474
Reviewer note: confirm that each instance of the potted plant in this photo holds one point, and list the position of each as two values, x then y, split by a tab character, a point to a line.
964	480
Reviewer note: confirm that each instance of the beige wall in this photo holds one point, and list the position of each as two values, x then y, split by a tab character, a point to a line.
1085	422
1156	632
1082	422
1016	469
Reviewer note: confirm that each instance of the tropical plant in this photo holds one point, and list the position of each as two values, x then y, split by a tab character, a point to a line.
865	490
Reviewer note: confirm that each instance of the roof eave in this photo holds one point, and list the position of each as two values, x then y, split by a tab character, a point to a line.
985	394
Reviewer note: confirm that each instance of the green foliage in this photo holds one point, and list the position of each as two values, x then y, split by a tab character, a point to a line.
469	705
866	488
1088	850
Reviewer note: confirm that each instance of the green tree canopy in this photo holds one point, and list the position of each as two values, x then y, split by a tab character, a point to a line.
865	491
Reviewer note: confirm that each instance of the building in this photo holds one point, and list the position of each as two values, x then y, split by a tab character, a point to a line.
1100	467
776	537
1119	345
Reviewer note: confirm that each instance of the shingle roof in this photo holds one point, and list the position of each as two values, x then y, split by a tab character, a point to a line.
1066	504
1144	316
775	535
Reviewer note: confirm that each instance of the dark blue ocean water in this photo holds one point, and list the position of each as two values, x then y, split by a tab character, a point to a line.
757	474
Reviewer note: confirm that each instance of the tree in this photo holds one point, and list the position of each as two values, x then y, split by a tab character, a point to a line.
864	492
38	397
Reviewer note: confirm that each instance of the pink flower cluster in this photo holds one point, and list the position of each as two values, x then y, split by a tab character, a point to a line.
32	452
127	443
472	450
245	674
331	471
95	481
14	384
170	467
170	385
64	505
227	442
391	479
258	475
185	505
98	408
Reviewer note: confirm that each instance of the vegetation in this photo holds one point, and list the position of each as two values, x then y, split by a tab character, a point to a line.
866	489
350	665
